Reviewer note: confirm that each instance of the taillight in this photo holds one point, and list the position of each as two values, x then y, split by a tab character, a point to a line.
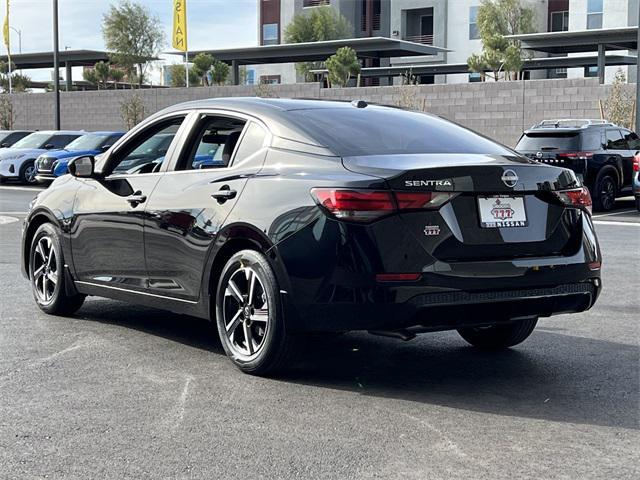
636	162
369	205
580	198
576	155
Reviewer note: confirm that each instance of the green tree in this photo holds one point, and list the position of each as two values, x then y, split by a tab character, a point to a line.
201	65
618	107
177	72
497	19
6	113
19	83
320	24
342	66
219	72
133	36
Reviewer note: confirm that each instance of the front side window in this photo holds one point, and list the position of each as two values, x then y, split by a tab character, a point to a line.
474	33
270	34
147	151
615	141
632	140
594	14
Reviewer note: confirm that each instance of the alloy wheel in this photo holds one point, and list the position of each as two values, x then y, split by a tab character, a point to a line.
245	312
607	193
30	174
44	269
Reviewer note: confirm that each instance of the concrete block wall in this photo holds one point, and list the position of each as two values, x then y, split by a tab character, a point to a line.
500	110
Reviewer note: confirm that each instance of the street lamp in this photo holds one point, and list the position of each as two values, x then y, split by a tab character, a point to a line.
19	32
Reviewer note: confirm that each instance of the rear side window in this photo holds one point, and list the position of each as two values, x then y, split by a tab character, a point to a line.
252	141
549	141
385	131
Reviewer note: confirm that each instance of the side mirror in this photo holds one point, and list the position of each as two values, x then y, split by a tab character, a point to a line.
49	146
82	167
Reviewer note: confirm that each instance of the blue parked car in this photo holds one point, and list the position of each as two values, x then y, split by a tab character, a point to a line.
53	164
18	162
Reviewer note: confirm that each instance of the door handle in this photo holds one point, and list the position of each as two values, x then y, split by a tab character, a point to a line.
136	199
224	194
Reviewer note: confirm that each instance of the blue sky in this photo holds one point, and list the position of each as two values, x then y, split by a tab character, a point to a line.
212	24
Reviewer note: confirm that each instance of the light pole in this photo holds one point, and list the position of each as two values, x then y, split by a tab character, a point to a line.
56	66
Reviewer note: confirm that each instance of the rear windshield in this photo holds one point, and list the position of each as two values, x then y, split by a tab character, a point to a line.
546	141
385	131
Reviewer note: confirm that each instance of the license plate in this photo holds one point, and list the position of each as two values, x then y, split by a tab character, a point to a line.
501	211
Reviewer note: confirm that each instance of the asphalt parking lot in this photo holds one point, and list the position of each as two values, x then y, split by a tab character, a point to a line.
120	391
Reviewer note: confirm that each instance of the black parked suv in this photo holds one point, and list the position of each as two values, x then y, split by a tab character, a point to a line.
600	153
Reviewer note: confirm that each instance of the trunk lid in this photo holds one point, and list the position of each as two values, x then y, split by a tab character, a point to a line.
486	187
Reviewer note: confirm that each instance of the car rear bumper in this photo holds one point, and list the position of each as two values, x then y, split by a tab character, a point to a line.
451	310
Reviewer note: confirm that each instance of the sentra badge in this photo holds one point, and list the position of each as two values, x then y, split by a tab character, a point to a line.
427	183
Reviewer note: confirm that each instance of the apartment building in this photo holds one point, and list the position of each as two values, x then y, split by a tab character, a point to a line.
445	23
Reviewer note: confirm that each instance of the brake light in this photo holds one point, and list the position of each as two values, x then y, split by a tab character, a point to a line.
636	162
580	198
368	205
576	155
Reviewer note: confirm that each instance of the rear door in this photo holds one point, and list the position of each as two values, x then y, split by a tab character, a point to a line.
631	143
107	235
192	201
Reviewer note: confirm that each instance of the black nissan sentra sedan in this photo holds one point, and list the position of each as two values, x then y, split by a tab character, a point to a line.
313	216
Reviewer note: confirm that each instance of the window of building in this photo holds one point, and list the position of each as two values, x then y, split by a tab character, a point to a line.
270	34
270	79
315	3
559	21
594	14
590	71
475	77
473	26
560	73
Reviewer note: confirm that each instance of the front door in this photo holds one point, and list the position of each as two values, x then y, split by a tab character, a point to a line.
192	201
107	233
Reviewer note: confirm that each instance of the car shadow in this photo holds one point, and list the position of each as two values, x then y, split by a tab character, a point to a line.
552	376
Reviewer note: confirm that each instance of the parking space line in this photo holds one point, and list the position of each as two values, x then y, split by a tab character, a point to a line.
25	189
612	222
13	213
614	213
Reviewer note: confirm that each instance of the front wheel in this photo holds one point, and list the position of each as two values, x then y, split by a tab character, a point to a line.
46	272
28	173
496	337
249	315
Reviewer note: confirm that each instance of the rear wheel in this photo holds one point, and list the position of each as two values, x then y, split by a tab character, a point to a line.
496	337
605	192
46	272
28	172
249	315
638	203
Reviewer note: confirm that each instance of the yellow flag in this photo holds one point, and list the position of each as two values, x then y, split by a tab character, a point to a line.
5	29
180	25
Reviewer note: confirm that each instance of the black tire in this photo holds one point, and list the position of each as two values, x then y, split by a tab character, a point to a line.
270	346
3	180
605	191
497	337
28	173
638	203
46	273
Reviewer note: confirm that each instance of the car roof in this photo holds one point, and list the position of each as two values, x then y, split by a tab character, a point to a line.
104	133
61	132
272	111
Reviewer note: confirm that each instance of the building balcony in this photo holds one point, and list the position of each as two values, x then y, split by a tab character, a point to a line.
424	39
